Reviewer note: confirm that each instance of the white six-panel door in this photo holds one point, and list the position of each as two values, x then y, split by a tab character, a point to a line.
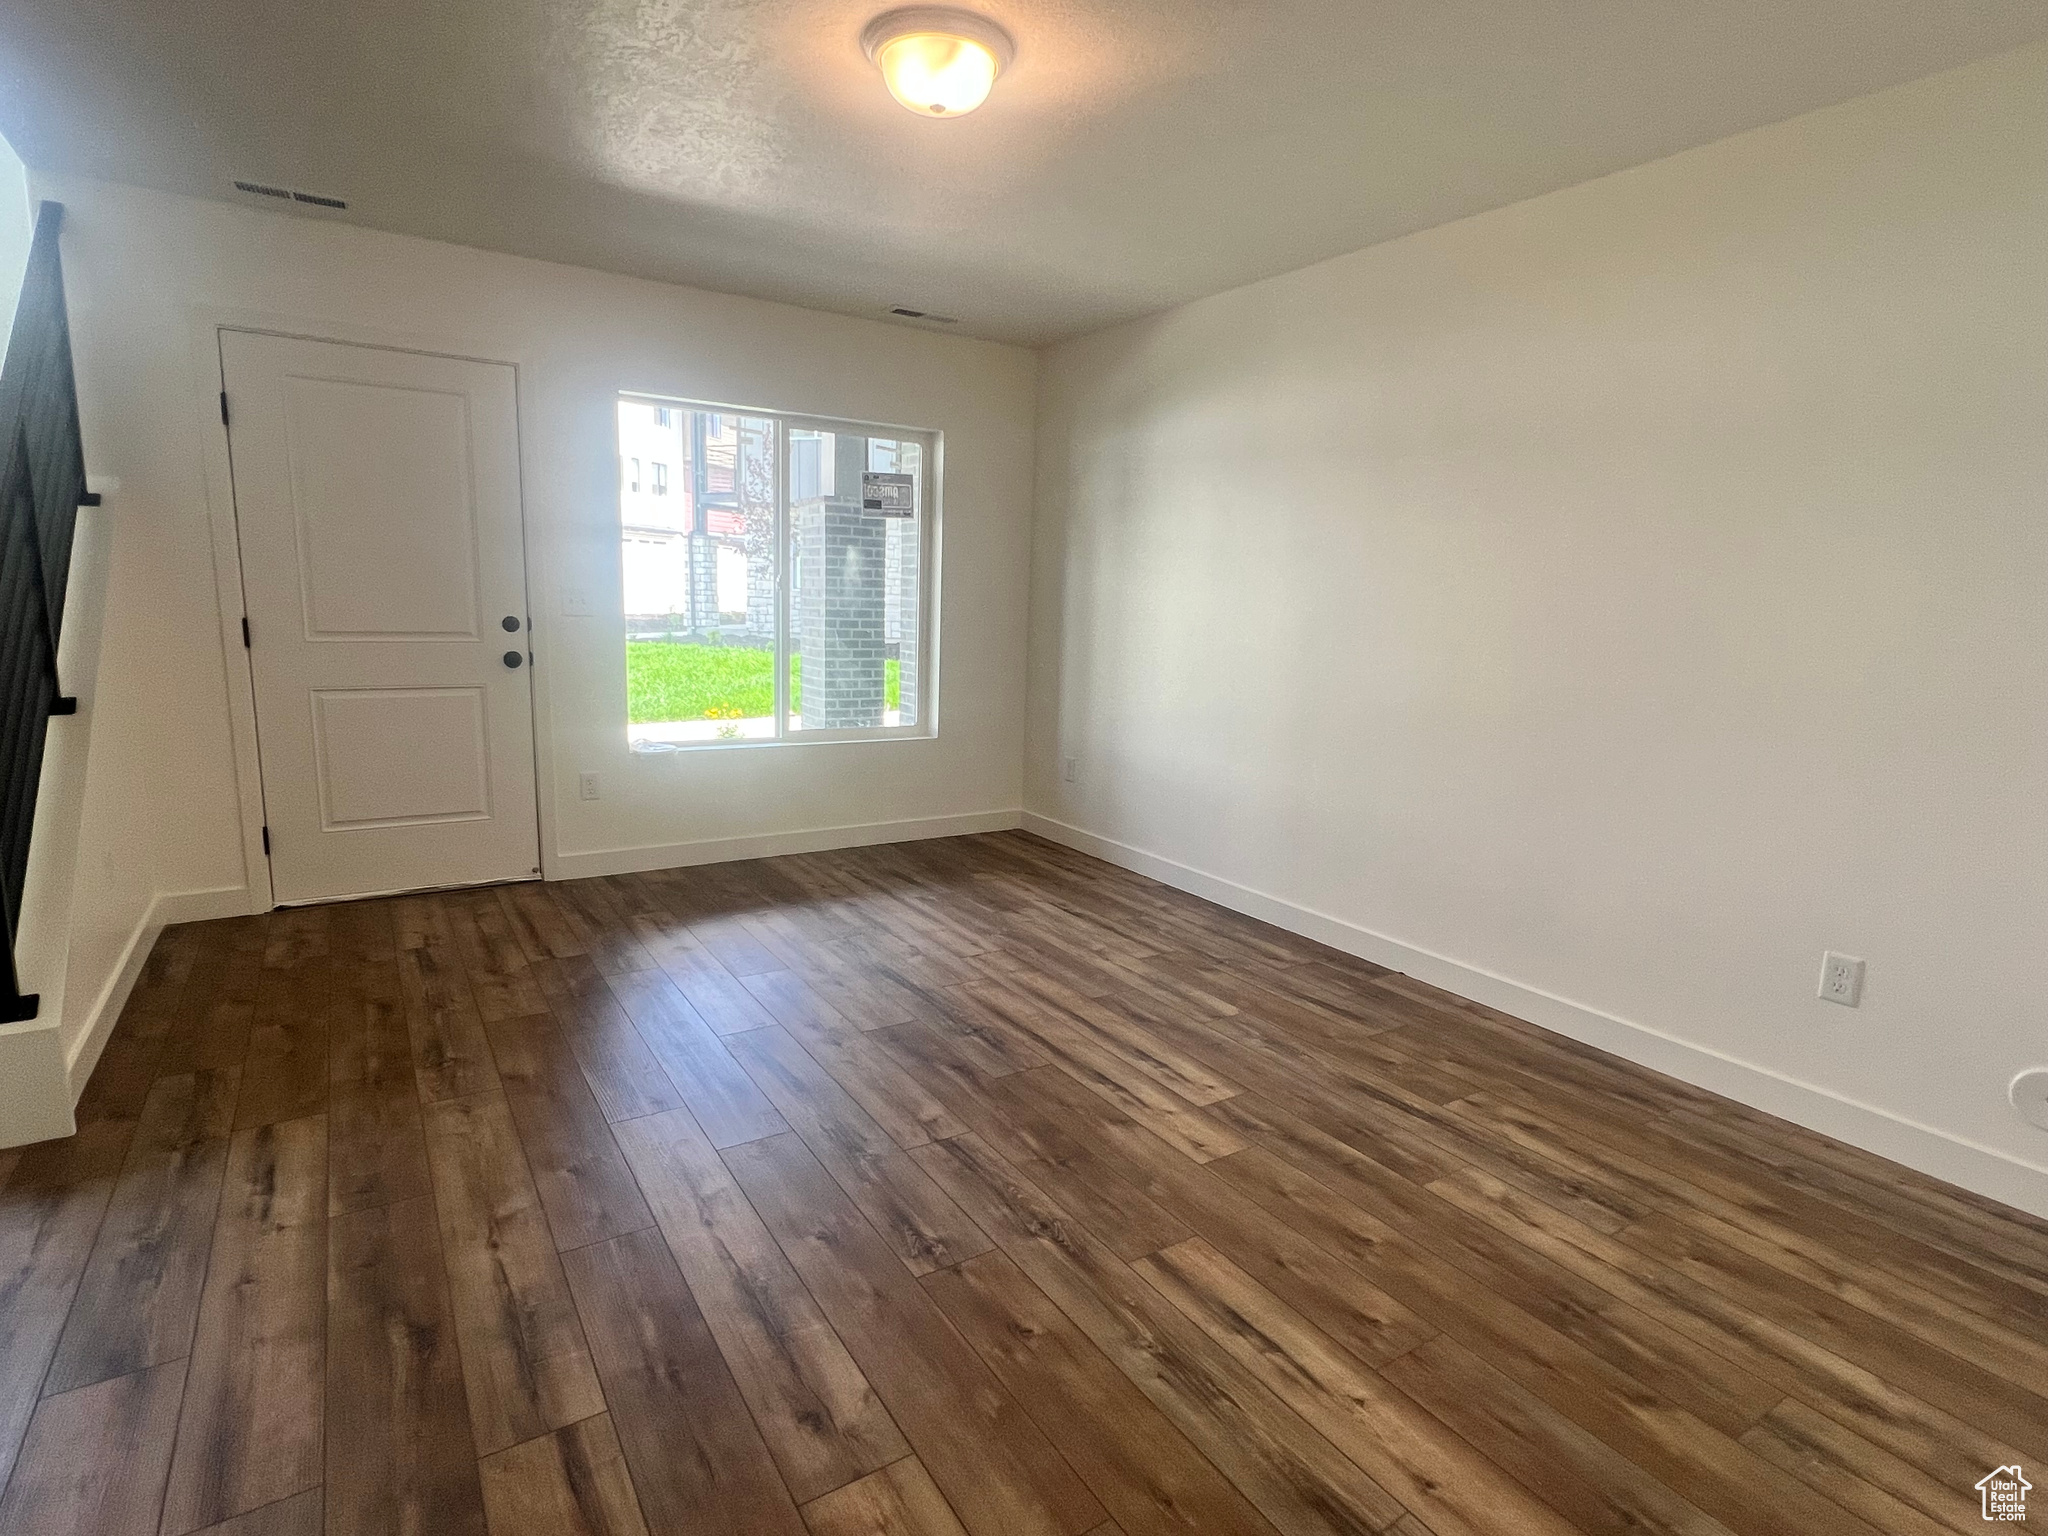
377	503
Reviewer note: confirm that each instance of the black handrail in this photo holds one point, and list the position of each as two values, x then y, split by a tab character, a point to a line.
42	486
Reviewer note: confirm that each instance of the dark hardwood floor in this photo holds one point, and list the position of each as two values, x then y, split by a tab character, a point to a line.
955	1186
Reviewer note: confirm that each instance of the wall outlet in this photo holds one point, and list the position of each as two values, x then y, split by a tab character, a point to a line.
1070	769
586	785
576	605
2029	1094
1841	979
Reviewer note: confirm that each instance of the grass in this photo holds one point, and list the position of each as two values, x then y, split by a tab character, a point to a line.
667	683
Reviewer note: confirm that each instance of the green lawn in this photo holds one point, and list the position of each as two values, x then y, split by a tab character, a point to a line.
666	683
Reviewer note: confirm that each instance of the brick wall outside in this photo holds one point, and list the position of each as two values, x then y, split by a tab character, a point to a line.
761	590
839	612
703	581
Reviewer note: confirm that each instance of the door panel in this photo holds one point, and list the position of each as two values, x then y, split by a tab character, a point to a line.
390	757
377	503
387	538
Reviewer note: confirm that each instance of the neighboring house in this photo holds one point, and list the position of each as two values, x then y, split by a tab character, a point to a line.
2005	1494
682	522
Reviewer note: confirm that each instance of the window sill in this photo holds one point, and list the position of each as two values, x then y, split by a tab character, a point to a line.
657	746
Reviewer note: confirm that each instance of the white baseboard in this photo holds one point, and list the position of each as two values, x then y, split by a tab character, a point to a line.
719	850
203	906
166	908
1940	1154
42	1081
35	1090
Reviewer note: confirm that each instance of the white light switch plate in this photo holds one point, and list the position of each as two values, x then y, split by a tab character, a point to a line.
575	603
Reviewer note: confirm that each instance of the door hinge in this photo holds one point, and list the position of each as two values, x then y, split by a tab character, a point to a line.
245	632
266	842
223	407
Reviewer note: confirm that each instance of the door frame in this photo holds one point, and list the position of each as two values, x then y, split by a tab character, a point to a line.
207	323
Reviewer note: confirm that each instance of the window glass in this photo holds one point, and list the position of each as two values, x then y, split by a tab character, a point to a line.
855	535
775	577
698	561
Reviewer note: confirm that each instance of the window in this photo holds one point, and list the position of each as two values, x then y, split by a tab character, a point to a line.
784	592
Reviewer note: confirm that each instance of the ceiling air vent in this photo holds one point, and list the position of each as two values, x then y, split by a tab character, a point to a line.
922	314
289	195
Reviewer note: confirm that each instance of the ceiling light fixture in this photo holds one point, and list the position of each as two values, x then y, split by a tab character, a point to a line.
938	61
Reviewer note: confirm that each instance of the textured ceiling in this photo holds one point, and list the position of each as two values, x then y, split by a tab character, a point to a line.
1140	152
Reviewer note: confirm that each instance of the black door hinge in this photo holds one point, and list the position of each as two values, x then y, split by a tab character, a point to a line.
266	842
223	407
245	632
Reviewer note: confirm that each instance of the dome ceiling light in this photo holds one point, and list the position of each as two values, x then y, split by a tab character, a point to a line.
938	61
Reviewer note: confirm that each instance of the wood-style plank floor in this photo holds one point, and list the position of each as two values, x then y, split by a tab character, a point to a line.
965	1186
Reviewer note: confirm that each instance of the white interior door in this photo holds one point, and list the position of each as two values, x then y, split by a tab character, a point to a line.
377	501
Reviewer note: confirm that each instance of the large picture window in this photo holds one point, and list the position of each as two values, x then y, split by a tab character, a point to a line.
779	576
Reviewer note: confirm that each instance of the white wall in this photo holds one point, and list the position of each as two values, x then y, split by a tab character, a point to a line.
150	275
17	230
1605	604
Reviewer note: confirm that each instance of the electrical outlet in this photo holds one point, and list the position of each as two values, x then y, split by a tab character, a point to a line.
2029	1094
1841	979
586	785
1070	769
576	605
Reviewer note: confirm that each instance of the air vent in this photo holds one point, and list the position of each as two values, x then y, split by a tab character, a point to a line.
921	314
289	195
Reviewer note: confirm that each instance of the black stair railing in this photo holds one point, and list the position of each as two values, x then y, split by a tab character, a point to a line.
42	486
